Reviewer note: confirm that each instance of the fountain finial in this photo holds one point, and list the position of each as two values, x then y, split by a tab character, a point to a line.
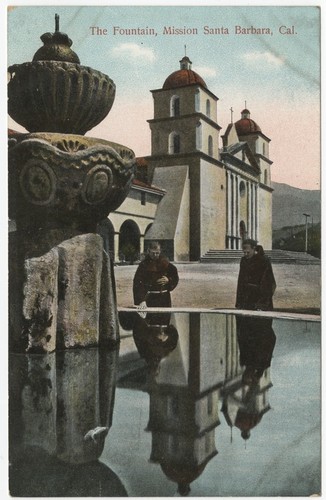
56	47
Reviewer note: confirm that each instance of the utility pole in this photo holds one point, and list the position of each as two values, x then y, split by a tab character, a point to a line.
306	244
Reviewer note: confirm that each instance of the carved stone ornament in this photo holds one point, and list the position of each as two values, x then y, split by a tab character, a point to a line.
38	182
77	180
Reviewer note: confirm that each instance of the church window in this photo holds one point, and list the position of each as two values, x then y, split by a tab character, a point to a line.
210	404
210	145
198	136
174	143
170	443
197	100
208	108
242	189
265	176
208	442
157	139
173	406
175	106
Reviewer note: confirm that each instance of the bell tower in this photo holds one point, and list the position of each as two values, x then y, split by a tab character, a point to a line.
185	115
185	161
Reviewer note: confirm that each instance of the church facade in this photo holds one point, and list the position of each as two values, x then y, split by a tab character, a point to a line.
191	193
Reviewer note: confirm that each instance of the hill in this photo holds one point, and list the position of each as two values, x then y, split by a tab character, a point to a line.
290	203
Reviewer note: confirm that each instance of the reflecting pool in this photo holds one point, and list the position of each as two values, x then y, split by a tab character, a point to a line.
198	404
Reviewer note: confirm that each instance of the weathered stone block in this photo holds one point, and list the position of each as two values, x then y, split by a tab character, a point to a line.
79	288
40	300
109	323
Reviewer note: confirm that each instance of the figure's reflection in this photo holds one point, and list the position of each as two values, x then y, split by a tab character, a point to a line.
245	406
155	338
256	339
61	407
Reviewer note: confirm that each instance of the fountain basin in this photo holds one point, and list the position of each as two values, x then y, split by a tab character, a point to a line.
58	96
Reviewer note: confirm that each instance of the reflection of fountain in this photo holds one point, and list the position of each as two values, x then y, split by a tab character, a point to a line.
61	185
61	407
245	403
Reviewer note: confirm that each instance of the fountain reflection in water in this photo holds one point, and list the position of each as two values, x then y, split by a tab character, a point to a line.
61	407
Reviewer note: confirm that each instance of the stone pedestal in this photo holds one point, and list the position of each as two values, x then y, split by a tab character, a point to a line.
62	290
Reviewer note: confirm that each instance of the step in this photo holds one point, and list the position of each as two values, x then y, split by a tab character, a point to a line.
276	256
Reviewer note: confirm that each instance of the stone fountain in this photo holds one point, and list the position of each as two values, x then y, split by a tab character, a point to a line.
61	185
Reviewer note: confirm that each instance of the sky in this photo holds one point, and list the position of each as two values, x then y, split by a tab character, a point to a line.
277	75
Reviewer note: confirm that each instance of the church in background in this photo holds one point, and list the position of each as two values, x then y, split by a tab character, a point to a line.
195	192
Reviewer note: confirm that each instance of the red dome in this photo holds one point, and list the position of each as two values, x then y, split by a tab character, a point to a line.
181	78
246	125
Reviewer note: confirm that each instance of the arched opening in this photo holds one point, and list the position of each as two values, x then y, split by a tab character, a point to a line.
242	189
174	143
148	228
197	101
129	241
198	136
243	230
106	230
175	106
208	108
210	145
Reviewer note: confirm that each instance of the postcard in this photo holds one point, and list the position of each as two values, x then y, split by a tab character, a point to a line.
164	250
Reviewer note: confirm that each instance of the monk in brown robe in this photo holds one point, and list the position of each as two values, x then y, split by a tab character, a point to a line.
256	282
154	279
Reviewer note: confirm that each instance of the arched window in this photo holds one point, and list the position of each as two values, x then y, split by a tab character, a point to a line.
208	108
265	176
174	143
242	189
197	101
264	149
210	145
175	106
129	241
198	136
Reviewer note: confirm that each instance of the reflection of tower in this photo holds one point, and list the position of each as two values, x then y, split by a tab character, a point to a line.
245	403
61	409
243	407
184	399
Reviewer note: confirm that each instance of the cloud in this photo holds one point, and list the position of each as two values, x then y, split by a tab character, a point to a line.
267	57
134	53
205	71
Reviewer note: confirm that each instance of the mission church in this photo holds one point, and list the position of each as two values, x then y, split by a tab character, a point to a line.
191	194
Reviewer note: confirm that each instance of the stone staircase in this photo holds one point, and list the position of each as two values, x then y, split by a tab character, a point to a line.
276	256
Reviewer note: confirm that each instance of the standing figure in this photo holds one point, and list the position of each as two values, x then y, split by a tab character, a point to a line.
154	279
256	282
